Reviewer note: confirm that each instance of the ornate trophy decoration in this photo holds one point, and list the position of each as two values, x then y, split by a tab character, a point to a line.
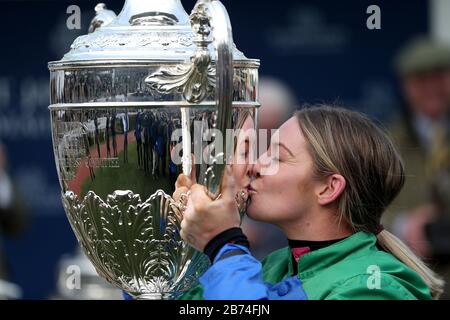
119	99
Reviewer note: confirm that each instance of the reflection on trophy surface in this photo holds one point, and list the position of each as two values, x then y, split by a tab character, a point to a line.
130	99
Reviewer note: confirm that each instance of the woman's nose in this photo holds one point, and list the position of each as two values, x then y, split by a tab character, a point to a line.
253	170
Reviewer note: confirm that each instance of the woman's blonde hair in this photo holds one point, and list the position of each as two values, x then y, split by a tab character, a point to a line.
347	142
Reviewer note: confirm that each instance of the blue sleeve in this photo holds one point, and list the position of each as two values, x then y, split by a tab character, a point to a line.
239	277
126	296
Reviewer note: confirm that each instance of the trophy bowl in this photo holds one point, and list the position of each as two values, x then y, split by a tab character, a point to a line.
130	102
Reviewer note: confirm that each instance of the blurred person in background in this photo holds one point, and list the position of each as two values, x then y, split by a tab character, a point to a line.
423	135
277	105
13	220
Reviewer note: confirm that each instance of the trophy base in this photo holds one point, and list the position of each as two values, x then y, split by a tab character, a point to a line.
155	296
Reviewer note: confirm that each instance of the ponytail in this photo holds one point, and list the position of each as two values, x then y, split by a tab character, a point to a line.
401	251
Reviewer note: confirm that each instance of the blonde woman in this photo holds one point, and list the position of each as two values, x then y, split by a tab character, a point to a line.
336	172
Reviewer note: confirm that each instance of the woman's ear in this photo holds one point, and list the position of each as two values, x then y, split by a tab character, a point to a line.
330	189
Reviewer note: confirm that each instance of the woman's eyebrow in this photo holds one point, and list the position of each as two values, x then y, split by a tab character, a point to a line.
280	144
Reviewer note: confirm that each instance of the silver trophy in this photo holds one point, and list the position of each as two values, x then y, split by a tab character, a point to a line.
117	99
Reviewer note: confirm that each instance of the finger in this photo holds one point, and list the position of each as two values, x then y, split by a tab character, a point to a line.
198	192
198	197
179	192
193	175
184	225
188	237
183	234
189	213
228	184
183	181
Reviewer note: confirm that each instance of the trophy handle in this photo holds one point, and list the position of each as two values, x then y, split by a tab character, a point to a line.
197	79
220	24
102	18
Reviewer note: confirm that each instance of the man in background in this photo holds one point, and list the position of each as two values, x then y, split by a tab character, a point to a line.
13	220
423	136
277	103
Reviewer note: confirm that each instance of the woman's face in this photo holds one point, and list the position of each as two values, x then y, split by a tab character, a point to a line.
283	187
242	160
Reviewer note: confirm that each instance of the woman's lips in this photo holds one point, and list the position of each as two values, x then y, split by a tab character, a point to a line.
251	191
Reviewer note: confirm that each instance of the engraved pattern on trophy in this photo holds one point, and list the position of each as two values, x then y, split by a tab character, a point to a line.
135	245
133	40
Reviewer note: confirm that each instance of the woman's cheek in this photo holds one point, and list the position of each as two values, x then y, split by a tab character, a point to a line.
262	207
255	209
239	172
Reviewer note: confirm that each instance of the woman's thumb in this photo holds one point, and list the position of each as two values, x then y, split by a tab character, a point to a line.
228	183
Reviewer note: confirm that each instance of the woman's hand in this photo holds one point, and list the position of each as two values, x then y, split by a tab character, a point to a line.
183	184
205	218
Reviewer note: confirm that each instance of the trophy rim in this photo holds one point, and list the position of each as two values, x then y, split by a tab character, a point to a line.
146	105
106	63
